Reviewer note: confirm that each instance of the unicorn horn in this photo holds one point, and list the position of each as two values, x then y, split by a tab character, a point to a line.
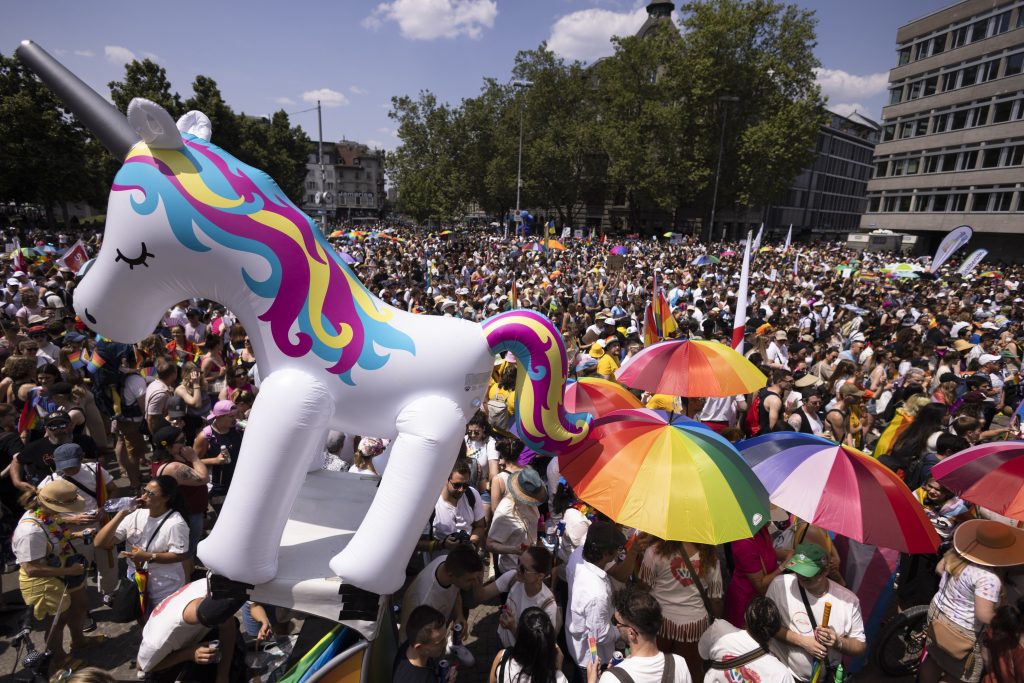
109	125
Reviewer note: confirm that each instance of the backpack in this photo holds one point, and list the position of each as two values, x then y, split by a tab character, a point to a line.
497	411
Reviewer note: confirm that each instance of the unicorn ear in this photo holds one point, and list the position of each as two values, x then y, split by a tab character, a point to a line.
154	124
196	123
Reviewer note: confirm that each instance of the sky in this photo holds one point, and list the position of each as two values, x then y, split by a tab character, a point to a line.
354	55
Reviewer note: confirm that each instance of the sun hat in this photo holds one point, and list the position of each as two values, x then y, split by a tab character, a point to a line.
808	380
61	496
527	488
781	336
848	390
220	409
67	455
962	345
808	560
989	543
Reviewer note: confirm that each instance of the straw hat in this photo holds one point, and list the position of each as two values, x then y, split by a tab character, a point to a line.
61	496
527	488
962	345
990	543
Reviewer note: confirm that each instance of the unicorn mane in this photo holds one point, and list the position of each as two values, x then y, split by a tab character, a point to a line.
239	207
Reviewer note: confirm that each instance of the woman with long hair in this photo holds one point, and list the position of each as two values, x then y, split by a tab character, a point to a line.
194	392
910	449
155	536
526	588
535	657
214	367
671	570
966	602
173	457
1006	646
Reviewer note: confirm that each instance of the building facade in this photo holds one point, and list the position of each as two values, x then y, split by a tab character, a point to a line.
952	145
351	188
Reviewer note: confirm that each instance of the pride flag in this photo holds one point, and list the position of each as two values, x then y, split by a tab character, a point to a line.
30	418
75	358
96	361
899	424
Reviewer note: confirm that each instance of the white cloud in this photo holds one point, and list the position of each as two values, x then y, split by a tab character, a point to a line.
432	19
356	90
85	53
327	97
840	85
284	100
845	109
118	55
586	34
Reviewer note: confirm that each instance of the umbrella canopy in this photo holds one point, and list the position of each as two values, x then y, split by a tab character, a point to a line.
337	233
348	258
728	252
990	474
668	234
766	249
757	449
619	250
671	477
843	490
556	245
897	267
598	397
691	368
991	274
705	260
445	232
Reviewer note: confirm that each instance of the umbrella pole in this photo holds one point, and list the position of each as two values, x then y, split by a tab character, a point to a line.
559	530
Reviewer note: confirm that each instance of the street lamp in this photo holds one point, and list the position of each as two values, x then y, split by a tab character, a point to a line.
518	85
724	99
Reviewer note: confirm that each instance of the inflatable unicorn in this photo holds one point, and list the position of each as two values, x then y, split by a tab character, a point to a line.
186	220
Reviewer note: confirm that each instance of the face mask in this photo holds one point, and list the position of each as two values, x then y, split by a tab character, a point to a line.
808	359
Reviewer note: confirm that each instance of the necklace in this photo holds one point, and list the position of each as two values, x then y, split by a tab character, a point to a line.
57	531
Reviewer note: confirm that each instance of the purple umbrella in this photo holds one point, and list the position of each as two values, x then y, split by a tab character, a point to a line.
619	250
348	258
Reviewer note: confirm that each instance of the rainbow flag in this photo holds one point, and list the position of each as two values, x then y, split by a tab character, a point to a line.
30	418
658	320
95	362
101	487
899	424
75	358
147	372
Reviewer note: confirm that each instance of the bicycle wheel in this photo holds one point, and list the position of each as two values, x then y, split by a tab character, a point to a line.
901	641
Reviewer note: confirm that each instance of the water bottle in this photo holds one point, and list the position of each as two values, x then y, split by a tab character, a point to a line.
227	455
840	674
115	505
457	634
442	668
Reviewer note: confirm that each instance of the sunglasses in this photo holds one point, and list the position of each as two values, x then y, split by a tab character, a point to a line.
458	486
150	494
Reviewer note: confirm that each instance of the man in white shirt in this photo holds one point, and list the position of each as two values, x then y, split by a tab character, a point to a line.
459	516
637	617
590	598
778	351
742	655
719	412
158	392
802	640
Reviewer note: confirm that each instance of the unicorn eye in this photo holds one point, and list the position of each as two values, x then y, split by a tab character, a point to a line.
139	260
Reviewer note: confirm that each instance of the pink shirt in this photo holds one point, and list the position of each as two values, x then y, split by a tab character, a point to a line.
749	556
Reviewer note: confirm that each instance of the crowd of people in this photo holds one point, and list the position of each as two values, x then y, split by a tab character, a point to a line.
118	457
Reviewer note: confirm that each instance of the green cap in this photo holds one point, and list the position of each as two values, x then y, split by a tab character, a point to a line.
808	560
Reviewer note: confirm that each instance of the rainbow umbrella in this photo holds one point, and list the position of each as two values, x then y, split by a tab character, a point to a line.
446	232
667	475
691	368
757	449
846	491
141	576
618	250
990	475
337	233
728	252
991	274
598	397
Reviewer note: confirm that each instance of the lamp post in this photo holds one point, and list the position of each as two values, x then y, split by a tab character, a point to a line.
724	100
518	85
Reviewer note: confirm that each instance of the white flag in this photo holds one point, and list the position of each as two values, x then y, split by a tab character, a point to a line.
971	262
740	319
956	238
789	238
757	240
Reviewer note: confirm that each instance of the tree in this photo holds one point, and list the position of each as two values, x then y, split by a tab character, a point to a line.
42	145
149	80
275	147
206	97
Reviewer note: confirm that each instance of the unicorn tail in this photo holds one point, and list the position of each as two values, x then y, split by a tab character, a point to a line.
544	425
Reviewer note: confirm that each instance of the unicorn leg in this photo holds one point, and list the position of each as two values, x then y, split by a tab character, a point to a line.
289	420
429	431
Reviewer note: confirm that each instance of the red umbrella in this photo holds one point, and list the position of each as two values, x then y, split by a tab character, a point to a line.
598	397
691	368
990	474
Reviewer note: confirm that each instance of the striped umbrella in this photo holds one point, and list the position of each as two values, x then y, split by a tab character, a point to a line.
846	491
757	449
990	474
667	475
691	368
598	397
705	260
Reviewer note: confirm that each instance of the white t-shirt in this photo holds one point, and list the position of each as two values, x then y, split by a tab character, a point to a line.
723	641
166	630
513	674
425	590
31	540
957	600
86	476
518	602
513	525
157	394
483	452
134	392
845	618
450	518
136	529
649	669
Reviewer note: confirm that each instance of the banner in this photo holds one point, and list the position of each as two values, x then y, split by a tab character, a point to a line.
956	238
789	239
75	257
971	262
740	321
757	240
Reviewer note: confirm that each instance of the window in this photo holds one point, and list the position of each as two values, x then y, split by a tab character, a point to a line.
958	202
1002	111
1015	62
880	168
941	123
895	95
897	166
888	132
968	160
915	90
938	44
932	163
921	127
990	159
958	37
923	202
930	86
310	185
903	56
913	165
968	76
1020	22
907	130
940	202
980	115
980	201
949	161
949	81
977	31
873	203
1014	156
958	119
999	23
988	71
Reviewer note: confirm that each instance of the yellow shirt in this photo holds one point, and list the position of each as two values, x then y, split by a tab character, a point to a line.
510	397
664	402
607	366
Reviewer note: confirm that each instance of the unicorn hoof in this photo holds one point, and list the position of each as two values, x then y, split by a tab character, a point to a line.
384	580
235	563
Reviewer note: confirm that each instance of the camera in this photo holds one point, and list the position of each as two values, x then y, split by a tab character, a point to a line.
459	536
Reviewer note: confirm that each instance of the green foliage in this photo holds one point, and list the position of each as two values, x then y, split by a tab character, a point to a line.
149	80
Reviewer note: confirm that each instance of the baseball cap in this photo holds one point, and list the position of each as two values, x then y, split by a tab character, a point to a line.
175	407
808	560
221	408
14	282
986	358
67	455
57	417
